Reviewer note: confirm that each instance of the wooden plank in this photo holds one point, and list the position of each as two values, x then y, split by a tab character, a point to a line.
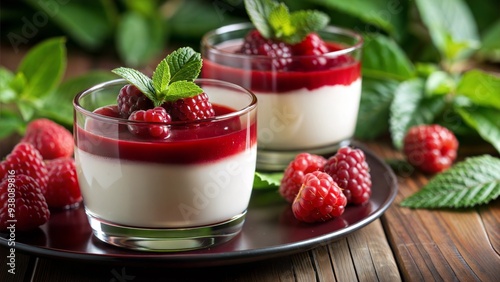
323	264
342	263
490	215
303	267
22	268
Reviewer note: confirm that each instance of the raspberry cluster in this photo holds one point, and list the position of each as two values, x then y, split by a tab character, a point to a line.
320	188
40	172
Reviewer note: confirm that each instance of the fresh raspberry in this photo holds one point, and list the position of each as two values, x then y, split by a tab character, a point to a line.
155	115
51	139
109	111
430	148
293	176
25	159
131	99
319	199
255	44
63	190
190	109
312	46
22	200
351	172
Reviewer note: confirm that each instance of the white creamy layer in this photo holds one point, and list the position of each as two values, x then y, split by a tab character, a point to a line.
305	118
164	195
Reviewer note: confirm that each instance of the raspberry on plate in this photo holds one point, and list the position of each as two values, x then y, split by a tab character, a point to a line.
255	44
293	177
155	115
25	159
191	108
430	148
51	139
63	190
29	209
319	199
351	172
131	99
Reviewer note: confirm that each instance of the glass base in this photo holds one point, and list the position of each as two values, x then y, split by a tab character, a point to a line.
166	239
278	160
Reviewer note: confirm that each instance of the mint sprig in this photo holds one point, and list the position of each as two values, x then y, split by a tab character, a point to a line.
472	182
172	79
274	21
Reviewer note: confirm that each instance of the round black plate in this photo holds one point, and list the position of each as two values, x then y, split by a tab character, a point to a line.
270	230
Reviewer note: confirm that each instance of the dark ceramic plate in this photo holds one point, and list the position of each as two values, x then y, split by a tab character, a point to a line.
270	231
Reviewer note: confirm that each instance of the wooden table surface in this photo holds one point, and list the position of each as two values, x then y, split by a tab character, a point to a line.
402	245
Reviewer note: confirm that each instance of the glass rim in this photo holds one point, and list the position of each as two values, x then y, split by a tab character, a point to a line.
205	42
238	112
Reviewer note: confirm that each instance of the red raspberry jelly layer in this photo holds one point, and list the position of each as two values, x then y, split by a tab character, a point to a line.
187	145
342	70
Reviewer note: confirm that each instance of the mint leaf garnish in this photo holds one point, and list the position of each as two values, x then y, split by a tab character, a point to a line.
472	182
274	21
185	64
173	78
161	77
265	180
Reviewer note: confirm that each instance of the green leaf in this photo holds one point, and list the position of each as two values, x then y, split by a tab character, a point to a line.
389	16
59	105
439	83
490	48
486	121
258	11
161	76
9	122
374	107
280	21
139	38
184	64
451	26
306	22
410	107
43	66
480	87
26	108
264	180
140	80
383	58
8	91
89	23
472	182
182	89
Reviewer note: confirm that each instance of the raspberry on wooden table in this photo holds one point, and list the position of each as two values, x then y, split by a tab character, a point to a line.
294	174
25	159
351	172
319	199
63	190
30	209
430	148
131	99
51	139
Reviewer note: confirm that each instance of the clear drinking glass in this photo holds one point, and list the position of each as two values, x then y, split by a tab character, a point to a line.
311	105
188	191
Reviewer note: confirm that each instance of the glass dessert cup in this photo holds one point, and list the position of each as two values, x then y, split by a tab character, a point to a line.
311	105
188	191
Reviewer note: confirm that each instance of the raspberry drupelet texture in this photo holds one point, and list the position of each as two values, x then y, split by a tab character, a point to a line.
131	99
25	159
31	209
190	109
155	115
350	171
430	148
319	199
51	139
294	174
63	190
255	44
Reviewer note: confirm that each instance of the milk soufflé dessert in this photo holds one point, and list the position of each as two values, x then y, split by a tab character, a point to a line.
166	163
305	74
